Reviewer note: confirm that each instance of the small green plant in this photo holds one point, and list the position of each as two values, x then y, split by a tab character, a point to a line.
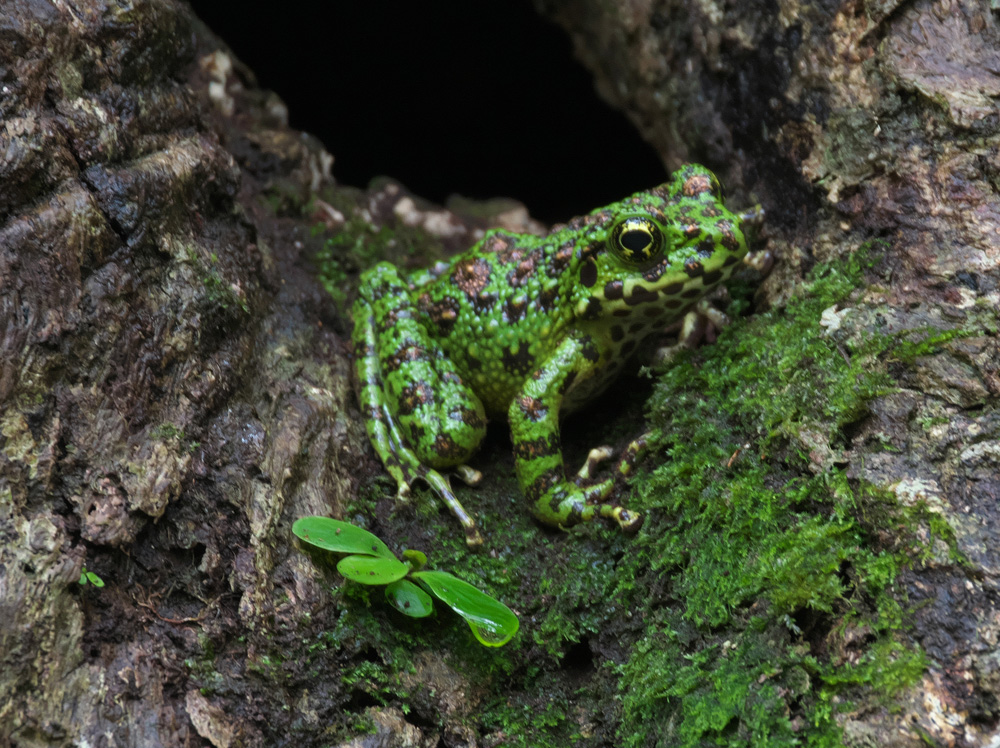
371	562
89	577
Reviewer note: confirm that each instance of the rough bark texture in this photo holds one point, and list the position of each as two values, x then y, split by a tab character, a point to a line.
853	121
165	376
174	381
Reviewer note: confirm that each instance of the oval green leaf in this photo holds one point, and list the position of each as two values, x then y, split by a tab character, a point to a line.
417	559
409	599
370	570
340	537
492	622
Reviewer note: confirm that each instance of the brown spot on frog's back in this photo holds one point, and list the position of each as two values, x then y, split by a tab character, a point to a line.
559	261
471	275
524	270
588	273
443	312
503	246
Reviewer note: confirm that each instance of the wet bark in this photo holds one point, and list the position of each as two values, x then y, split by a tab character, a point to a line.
174	384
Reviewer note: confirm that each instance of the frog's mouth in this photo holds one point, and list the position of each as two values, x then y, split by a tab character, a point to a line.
621	298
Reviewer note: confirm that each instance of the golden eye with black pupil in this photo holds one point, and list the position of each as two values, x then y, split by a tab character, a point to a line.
636	240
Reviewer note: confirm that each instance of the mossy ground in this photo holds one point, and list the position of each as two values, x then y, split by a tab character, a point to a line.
777	605
757	603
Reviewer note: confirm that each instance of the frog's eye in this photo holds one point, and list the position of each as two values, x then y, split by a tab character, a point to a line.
636	240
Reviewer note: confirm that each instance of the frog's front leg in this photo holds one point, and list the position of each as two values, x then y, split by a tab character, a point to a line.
418	412
534	425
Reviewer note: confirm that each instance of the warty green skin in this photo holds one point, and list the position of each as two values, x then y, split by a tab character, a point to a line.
533	327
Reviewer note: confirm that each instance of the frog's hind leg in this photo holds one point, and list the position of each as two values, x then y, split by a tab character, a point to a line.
406	468
634	453
419	414
383	434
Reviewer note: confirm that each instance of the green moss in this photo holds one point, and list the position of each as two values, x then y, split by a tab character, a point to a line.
167	432
778	607
222	293
359	244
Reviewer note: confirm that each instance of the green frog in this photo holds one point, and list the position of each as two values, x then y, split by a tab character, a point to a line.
531	328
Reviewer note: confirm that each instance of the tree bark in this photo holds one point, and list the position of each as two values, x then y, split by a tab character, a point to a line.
175	389
165	377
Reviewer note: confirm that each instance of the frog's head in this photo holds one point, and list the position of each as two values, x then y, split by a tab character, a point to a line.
653	255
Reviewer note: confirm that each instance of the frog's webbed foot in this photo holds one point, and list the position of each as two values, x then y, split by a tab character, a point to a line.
534	422
406	474
568	504
631	456
588	501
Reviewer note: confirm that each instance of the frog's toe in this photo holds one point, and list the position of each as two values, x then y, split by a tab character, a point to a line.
634	453
761	261
403	492
472	538
442	487
596	456
468	475
628	520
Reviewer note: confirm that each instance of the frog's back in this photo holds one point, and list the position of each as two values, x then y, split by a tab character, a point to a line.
501	308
